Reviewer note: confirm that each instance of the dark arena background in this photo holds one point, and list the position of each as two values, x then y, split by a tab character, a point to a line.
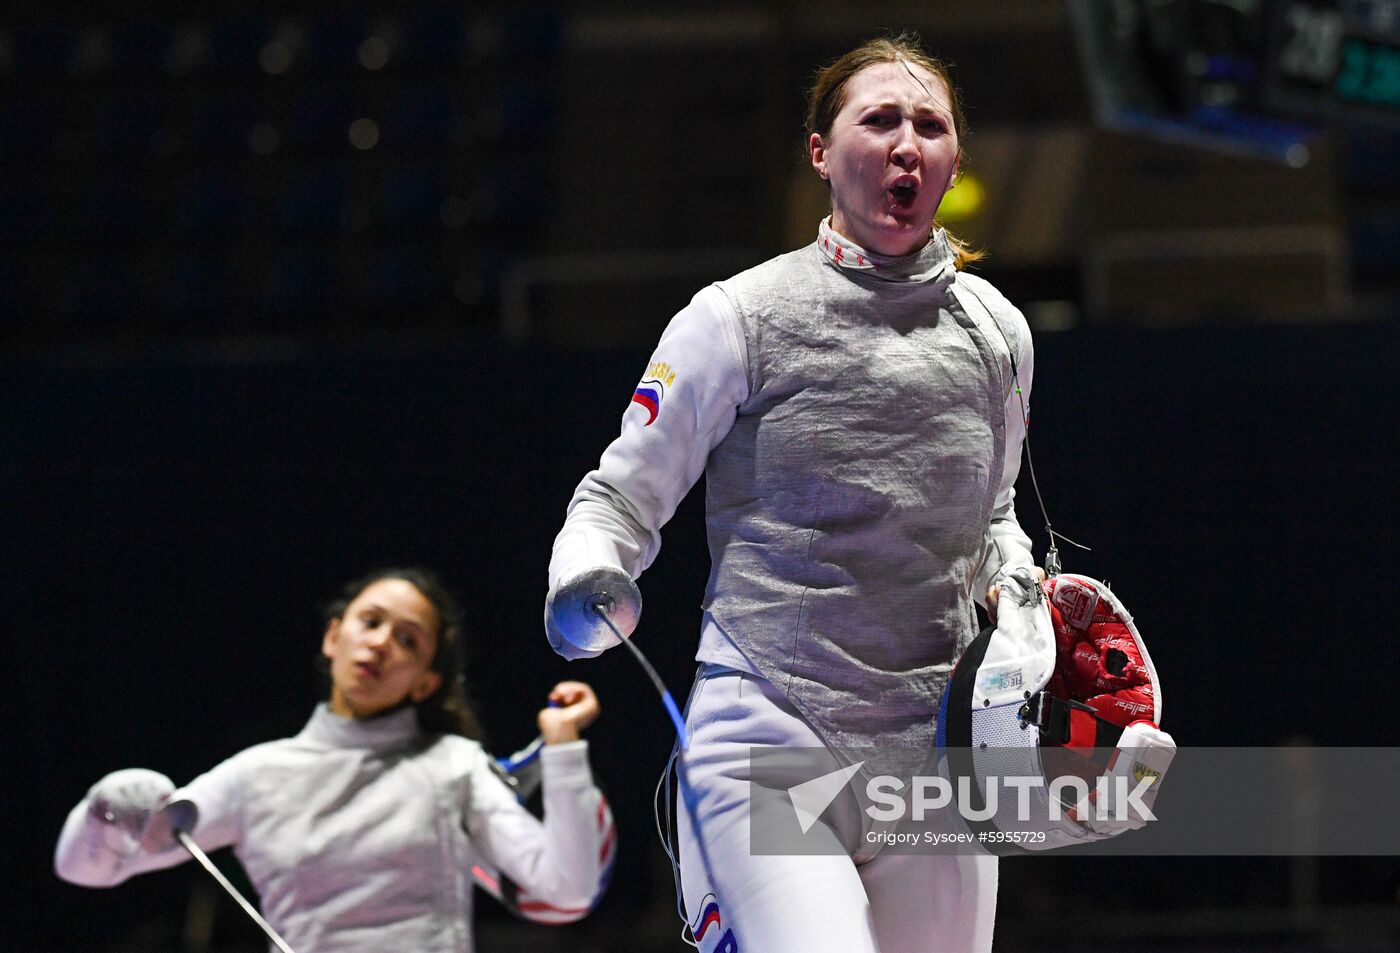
290	292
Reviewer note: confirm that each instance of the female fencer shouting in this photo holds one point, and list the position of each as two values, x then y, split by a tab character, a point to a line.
853	406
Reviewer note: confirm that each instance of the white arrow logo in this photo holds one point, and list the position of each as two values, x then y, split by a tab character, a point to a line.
812	797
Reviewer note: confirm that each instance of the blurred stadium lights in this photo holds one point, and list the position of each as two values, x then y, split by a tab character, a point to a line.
963	200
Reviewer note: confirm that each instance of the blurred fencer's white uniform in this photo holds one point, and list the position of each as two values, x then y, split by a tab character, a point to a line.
365	835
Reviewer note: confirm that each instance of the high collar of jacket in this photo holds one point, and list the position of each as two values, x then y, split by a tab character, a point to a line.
395	729
934	260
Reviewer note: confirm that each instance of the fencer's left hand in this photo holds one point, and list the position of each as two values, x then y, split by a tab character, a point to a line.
994	593
573	707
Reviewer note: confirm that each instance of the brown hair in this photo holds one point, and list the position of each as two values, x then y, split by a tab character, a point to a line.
827	97
446	711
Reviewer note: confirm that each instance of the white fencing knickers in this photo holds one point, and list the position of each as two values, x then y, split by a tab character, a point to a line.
894	903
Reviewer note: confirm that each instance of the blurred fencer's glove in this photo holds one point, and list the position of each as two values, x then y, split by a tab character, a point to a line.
571	620
180	815
124	802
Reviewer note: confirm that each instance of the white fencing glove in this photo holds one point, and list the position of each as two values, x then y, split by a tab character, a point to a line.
124	802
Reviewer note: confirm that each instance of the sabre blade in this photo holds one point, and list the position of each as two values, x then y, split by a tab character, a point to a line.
671	708
194	850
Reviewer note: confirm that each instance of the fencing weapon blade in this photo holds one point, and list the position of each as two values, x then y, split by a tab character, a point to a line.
666	698
175	819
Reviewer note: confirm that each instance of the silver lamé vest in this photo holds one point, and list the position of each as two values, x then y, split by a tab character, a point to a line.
848	506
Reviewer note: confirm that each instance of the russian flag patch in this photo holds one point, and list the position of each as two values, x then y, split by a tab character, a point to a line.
650	393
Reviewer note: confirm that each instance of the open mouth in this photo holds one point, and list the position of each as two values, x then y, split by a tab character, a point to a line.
366	669
904	194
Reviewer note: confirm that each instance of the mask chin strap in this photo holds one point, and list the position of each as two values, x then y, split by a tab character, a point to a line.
1067	723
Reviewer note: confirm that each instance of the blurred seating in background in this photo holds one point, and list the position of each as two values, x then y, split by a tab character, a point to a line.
397	166
247	171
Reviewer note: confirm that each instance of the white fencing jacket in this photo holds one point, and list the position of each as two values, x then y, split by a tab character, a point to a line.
860	428
363	835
